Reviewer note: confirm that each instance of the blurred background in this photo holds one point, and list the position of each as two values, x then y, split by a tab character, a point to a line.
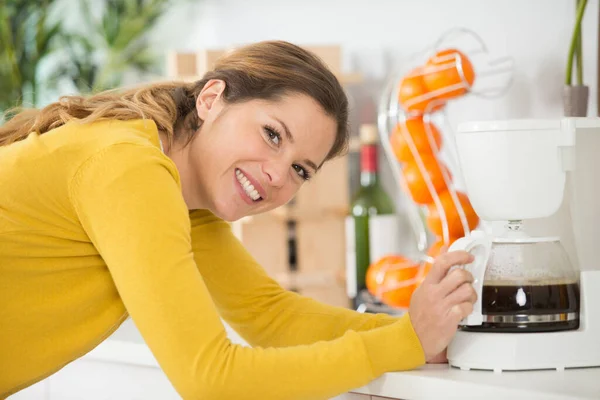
62	46
50	48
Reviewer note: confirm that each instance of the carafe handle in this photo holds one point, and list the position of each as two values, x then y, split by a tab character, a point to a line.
479	244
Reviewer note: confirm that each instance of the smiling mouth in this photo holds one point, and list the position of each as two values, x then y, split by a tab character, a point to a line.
247	186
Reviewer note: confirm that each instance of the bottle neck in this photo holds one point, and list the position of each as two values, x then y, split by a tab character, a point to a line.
368	165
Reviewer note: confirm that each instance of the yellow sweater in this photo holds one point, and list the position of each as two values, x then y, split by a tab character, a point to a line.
93	227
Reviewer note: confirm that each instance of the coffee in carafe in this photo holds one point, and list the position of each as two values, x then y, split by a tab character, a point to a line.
542	306
529	286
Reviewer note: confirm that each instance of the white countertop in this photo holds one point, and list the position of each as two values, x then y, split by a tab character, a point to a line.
429	382
444	382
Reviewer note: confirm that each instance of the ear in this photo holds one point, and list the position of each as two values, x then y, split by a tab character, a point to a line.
209	101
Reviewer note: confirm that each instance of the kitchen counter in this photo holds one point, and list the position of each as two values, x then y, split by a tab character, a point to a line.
429	382
444	382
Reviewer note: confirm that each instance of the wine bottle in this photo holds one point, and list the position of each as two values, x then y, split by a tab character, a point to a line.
372	228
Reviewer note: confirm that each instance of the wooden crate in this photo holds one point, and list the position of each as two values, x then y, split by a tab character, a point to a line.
192	66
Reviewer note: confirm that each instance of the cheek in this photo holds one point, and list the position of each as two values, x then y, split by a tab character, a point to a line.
286	193
233	147
247	144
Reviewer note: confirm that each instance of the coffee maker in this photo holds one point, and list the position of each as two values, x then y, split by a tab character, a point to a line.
536	270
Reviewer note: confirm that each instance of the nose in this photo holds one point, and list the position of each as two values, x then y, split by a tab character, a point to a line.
276	172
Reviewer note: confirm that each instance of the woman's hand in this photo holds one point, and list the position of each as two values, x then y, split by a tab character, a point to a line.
439	359
441	302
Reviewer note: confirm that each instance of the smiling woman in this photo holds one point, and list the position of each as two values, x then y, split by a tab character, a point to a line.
114	205
253	156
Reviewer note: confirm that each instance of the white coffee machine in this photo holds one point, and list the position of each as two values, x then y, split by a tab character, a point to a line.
537	272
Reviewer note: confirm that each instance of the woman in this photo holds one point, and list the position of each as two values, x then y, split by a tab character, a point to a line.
116	205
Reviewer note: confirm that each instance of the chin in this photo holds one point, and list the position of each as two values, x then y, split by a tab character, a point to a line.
232	212
228	211
227	215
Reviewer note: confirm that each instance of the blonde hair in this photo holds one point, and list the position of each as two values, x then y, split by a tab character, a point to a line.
265	70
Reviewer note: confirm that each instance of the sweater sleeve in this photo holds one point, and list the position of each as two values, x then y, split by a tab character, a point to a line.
129	202
256	306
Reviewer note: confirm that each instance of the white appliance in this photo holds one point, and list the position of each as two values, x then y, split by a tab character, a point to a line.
543	173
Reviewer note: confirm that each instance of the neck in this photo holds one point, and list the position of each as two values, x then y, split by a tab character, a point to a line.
180	156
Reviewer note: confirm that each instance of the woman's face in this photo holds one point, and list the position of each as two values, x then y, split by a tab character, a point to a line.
254	156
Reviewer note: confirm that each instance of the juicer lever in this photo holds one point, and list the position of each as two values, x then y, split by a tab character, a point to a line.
479	245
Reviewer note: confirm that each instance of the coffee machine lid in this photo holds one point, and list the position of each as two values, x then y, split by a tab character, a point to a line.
509	125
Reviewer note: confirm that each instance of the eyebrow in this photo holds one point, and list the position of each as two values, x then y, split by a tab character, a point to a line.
289	137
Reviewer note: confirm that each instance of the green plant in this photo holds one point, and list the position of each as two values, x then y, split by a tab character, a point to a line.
575	49
26	37
114	44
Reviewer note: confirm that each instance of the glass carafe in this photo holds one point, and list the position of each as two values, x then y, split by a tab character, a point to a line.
529	285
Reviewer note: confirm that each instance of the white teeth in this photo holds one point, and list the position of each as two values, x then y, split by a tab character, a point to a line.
248	187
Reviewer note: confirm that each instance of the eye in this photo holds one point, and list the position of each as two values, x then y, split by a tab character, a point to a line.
273	135
301	171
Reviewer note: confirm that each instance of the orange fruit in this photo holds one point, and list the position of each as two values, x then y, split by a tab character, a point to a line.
376	271
442	71
390	280
416	129
399	285
411	87
455	228
415	182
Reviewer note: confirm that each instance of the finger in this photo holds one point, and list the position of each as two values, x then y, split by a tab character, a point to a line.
444	262
454	280
458	312
464	293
